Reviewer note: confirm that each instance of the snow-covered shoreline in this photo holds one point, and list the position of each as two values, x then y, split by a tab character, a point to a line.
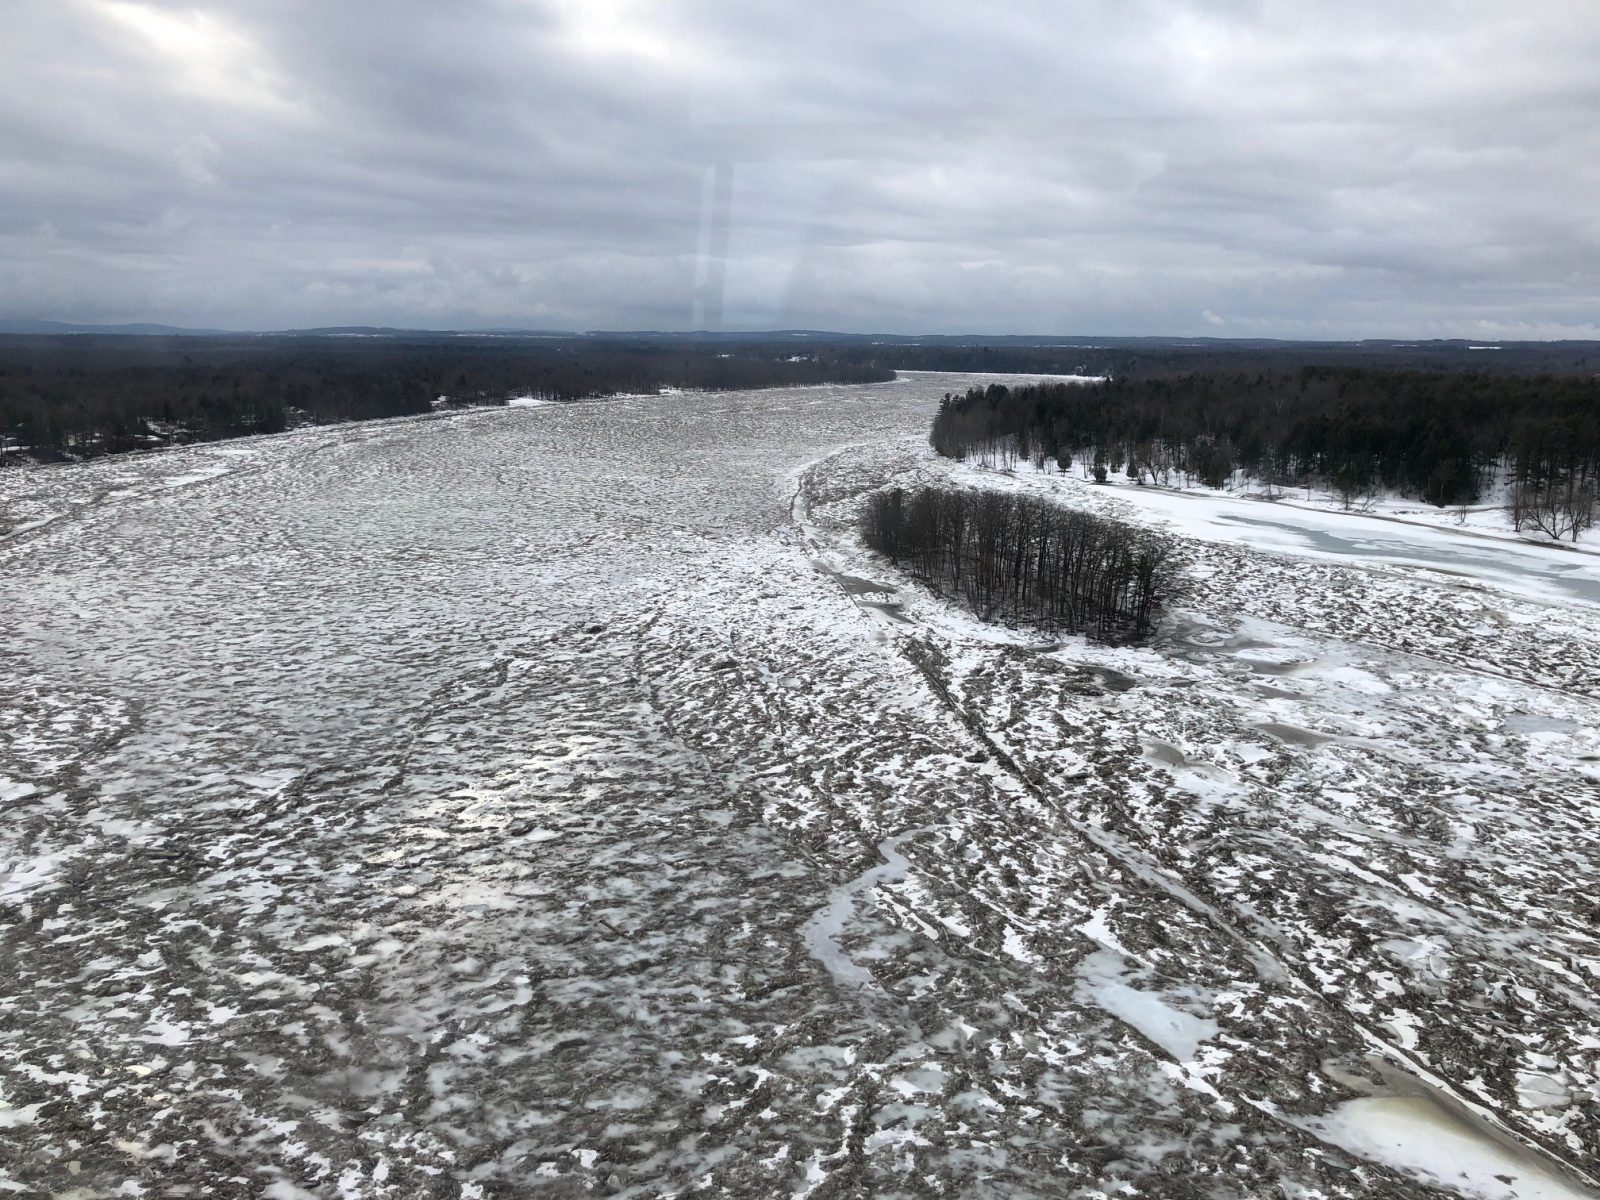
1556	571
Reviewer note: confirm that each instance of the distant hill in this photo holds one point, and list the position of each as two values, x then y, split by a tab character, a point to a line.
383	331
63	327
390	331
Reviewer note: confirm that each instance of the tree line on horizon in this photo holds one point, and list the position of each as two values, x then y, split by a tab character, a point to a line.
82	396
1445	439
1149	358
1024	559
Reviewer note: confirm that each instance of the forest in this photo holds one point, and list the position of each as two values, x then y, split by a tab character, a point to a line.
1448	439
80	396
1022	559
1152	357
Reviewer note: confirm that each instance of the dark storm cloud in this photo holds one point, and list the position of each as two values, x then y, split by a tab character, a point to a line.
1250	168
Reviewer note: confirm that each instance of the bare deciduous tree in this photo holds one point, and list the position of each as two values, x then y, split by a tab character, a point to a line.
1022	558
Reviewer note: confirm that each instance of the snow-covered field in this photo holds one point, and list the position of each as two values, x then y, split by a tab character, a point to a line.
557	799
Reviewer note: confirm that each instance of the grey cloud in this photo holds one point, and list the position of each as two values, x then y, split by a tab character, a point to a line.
1256	167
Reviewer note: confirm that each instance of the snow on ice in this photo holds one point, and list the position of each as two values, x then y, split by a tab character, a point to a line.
559	797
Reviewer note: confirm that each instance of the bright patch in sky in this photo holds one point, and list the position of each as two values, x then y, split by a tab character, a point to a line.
208	56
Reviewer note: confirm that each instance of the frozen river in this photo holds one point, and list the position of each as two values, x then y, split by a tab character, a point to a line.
1531	568
515	798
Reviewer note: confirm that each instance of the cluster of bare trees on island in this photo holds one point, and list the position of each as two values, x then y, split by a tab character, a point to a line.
1530	442
1024	559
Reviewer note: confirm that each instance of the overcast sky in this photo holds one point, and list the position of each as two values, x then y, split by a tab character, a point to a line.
1230	167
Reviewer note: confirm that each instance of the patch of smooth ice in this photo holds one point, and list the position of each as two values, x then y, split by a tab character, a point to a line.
282	1189
165	1033
821	932
1098	930
14	789
528	402
1015	946
1411	1134
1177	1032
1293	735
1537	1090
205	473
24	875
321	941
15	1116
